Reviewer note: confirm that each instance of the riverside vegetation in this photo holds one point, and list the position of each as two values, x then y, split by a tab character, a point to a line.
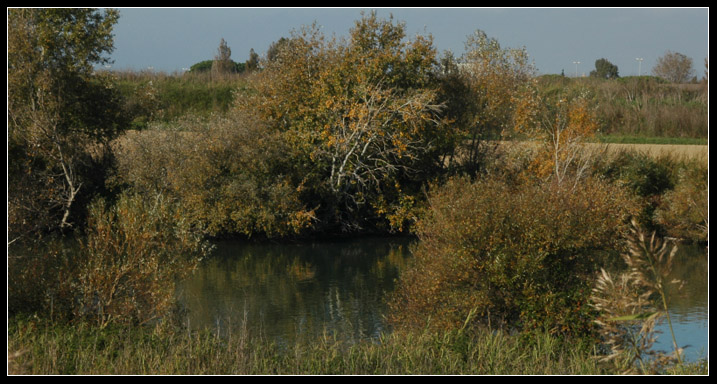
118	180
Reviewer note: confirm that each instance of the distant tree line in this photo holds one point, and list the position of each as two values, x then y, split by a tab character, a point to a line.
674	67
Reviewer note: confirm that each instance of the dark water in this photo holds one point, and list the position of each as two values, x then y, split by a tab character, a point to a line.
285	291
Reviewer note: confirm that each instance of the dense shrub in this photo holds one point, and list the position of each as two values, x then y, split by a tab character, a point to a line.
38	278
228	174
122	271
673	191
130	258
641	173
514	257
645	176
684	210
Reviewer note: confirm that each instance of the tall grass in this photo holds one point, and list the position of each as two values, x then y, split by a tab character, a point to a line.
43	348
633	302
159	96
643	106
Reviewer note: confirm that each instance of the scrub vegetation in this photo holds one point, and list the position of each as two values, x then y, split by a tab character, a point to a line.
116	182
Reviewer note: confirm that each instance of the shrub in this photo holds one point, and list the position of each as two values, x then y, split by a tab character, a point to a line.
133	253
647	177
684	210
122	271
228	174
518	258
38	278
641	173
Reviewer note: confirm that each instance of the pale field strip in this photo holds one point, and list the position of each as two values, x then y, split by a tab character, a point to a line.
659	150
676	151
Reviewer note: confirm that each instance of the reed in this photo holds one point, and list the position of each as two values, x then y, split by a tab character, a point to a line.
632	303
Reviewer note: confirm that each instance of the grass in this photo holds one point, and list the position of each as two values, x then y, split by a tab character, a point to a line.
39	348
631	139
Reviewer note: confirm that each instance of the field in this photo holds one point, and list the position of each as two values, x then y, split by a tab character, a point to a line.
679	151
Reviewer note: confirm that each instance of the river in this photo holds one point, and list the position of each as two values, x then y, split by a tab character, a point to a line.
287	291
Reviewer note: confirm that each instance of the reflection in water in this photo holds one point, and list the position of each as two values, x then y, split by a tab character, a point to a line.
283	291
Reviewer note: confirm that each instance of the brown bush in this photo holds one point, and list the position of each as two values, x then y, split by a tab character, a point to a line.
511	257
228	174
122	271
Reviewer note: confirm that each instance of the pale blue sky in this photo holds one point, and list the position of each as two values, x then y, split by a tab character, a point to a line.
171	39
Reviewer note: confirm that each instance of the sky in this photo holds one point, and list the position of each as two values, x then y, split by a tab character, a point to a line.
172	39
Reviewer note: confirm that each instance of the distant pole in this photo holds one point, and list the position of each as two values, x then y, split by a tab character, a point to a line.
576	67
639	65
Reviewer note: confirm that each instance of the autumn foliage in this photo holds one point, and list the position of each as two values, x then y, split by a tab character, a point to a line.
562	124
361	118
521	257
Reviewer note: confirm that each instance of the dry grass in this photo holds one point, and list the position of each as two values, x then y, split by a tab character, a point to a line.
658	150
632	303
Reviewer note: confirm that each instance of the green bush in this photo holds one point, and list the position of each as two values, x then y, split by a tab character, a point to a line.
641	173
646	176
513	257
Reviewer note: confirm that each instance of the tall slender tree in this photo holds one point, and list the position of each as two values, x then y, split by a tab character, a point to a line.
222	63
252	64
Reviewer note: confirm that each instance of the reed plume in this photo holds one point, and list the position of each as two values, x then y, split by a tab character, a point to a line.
632	303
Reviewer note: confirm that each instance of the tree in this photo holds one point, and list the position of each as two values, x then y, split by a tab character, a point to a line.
563	123
202	66
223	64
674	67
361	116
252	64
275	47
496	77
604	70
61	114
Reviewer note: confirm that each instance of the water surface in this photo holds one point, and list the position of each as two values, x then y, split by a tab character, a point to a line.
285	291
